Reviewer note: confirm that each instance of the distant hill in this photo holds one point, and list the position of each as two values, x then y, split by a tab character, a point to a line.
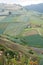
35	7
11	7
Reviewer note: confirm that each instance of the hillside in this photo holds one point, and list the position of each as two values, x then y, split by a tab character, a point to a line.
37	7
22	24
9	7
17	53
21	35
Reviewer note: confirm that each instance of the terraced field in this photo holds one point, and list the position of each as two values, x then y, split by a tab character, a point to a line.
13	25
3	27
21	32
20	25
2	17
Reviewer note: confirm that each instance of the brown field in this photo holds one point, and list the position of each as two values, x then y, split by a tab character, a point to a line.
31	32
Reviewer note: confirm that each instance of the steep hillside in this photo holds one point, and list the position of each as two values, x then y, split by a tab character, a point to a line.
21	35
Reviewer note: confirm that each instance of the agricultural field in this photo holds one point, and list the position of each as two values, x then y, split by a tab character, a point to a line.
14	23
2	17
21	33
20	26
29	32
33	40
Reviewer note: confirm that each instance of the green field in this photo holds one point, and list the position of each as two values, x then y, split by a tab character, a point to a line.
33	40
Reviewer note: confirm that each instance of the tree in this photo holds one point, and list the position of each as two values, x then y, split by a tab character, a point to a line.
14	62
9	13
